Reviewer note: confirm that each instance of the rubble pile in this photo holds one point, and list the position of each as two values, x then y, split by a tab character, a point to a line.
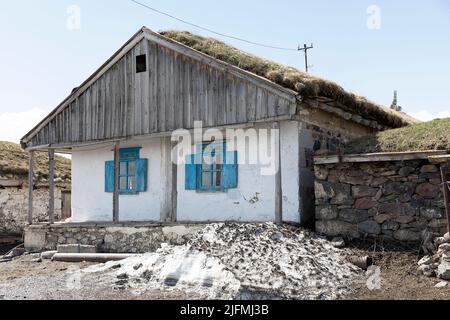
237	261
437	264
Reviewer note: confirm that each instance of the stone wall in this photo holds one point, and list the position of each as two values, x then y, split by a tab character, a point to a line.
394	200
108	238
14	208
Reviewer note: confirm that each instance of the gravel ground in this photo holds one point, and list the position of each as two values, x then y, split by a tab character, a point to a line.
221	250
25	279
223	261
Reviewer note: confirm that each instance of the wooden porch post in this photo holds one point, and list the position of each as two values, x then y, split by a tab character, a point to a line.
278	178
116	184
51	186
174	191
30	187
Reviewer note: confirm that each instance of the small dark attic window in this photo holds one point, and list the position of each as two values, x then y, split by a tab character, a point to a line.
141	63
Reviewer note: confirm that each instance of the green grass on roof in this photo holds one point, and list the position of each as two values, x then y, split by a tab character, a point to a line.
14	161
434	135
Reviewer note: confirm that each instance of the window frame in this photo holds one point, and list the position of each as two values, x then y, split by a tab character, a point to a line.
127	176
200	171
141	63
127	155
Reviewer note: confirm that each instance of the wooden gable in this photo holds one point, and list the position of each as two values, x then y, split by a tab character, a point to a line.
179	86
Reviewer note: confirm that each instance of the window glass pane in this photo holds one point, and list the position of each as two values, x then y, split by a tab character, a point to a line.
217	179
131	183
123	183
131	168
207	159
218	161
206	179
123	168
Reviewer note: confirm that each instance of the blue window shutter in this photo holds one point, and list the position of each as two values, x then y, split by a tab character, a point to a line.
191	173
141	175
230	171
109	176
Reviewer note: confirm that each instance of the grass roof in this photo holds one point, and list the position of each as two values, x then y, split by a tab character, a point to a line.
14	161
291	78
434	135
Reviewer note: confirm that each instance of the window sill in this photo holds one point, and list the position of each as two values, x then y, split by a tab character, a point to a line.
212	191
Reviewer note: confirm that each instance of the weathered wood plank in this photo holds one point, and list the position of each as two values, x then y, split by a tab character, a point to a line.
116	206
175	91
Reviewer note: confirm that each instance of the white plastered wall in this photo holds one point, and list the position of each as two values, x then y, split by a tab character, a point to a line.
90	202
252	201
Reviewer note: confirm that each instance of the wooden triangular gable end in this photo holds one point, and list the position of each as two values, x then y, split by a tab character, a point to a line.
180	86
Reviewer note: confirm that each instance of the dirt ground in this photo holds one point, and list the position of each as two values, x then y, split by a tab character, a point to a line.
400	279
25	279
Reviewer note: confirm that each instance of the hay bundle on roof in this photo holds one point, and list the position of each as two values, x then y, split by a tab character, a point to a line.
305	84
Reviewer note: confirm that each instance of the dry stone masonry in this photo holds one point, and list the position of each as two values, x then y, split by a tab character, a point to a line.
394	200
14	208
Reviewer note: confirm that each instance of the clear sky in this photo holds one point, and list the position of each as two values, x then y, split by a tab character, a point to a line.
406	47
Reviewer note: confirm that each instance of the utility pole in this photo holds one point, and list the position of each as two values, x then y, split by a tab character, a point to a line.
306	48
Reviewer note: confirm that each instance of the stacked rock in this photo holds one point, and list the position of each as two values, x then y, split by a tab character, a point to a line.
437	265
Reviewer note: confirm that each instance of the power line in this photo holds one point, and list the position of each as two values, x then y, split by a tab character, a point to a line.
212	31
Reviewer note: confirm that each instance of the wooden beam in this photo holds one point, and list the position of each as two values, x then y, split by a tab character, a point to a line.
116	184
371	157
30	187
174	193
278	177
51	186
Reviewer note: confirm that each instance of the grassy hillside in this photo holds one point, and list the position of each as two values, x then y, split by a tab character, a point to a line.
434	135
14	161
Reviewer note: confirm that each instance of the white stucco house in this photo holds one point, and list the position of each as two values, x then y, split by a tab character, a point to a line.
119	128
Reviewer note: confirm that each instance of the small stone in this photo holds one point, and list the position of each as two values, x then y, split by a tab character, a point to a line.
441	285
440	240
445	247
443	271
425	261
363	192
405	219
382	218
338	242
122	276
370	227
390	225
138	266
365	203
326	212
38	260
431	213
405	171
277	236
427	190
429	169
427	270
438	223
353	215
